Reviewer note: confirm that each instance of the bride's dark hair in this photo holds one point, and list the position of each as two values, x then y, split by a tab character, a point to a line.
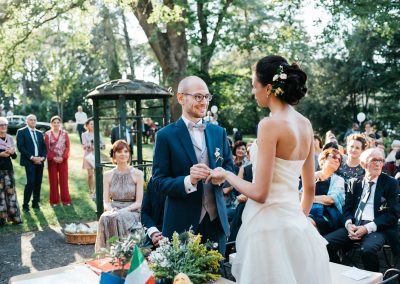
294	85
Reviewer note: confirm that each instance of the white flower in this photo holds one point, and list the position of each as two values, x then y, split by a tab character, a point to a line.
217	154
215	245
276	77
283	76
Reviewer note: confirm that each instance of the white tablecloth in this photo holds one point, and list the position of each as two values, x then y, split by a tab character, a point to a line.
80	274
338	278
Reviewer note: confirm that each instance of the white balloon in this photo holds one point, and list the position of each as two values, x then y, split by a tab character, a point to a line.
214	109
361	117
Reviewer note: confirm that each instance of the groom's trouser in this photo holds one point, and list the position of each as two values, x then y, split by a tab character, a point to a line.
212	231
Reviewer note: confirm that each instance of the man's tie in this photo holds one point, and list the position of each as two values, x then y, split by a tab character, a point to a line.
362	203
199	127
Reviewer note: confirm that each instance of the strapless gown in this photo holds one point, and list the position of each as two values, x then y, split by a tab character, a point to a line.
276	243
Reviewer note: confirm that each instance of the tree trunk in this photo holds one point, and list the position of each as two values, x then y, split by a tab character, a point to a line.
111	56
128	47
170	47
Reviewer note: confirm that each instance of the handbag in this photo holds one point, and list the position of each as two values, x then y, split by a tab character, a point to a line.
90	159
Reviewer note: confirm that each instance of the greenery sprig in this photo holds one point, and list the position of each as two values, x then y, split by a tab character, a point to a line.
185	253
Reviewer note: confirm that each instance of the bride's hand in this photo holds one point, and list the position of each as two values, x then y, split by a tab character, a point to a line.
217	176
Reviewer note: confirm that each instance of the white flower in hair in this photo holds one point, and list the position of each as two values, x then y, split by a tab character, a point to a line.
276	77
283	76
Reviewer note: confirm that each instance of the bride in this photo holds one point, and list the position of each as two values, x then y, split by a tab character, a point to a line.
276	243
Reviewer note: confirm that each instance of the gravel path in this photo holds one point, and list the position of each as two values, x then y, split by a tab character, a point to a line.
37	251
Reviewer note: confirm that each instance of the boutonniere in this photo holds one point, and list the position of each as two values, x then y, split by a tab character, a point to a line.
218	159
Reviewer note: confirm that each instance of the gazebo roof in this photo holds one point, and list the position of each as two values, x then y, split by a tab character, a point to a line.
130	89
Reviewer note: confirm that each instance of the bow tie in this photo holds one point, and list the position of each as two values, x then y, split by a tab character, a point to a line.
199	127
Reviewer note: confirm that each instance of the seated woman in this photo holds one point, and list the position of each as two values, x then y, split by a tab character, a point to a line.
356	144
122	197
326	211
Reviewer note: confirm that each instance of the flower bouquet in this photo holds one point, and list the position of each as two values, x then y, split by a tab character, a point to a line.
185	253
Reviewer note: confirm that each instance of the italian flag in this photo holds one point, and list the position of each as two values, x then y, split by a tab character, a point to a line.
139	272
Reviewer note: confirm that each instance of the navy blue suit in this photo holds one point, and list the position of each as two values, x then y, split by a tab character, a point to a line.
34	173
386	215
174	155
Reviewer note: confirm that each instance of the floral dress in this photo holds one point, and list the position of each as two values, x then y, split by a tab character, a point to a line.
9	208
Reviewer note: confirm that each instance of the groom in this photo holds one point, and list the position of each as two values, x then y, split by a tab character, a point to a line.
184	154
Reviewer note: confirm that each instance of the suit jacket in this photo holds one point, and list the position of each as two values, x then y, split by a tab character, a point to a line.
26	146
152	210
173	156
386	206
115	137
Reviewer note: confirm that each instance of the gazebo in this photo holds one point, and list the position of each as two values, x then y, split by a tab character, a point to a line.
118	95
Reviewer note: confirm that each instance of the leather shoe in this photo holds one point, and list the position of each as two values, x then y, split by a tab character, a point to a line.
36	206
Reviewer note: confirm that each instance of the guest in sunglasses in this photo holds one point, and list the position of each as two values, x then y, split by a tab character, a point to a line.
326	212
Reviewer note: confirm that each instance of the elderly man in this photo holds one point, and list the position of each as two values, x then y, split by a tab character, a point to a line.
30	143
370	212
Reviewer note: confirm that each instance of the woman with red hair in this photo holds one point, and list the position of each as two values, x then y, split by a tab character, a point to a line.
122	196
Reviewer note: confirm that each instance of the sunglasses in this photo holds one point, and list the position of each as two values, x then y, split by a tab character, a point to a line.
335	157
200	97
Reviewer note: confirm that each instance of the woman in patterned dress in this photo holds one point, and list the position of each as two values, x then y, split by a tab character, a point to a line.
58	146
122	197
356	144
9	209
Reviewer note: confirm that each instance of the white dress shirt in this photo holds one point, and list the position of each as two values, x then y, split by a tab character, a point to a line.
368	212
80	117
34	138
198	136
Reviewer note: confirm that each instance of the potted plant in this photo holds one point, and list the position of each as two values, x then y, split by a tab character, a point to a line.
120	252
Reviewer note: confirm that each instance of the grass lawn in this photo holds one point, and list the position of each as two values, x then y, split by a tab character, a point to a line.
83	209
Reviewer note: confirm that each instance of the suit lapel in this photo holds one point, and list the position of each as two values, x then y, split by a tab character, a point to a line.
379	188
358	192
210	146
184	137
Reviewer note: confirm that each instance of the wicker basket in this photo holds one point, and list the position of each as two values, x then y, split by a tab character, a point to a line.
80	239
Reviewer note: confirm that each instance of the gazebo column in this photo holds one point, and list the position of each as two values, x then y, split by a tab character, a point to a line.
166	115
122	116
139	123
97	159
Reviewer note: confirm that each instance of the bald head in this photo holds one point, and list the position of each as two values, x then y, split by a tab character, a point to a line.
191	84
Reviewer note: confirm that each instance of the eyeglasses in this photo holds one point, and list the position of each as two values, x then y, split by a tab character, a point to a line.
3	125
336	157
376	161
199	97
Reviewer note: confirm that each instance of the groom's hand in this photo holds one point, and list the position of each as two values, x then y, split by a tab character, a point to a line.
199	172
217	176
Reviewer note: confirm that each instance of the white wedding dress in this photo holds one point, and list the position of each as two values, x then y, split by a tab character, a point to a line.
276	243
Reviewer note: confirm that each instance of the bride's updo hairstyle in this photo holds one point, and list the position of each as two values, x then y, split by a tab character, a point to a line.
293	86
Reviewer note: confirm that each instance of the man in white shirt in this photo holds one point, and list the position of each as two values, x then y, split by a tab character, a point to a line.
370	213
80	119
30	143
10	112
